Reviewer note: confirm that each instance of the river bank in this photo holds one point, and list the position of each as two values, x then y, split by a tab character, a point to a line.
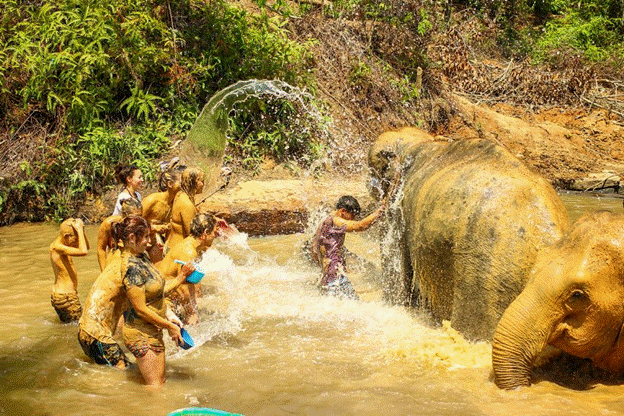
576	150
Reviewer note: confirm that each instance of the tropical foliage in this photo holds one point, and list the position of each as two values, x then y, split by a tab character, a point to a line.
88	84
113	81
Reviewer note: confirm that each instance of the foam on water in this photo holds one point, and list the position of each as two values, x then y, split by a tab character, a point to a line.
260	290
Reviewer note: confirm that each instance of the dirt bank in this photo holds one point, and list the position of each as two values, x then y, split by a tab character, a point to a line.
574	149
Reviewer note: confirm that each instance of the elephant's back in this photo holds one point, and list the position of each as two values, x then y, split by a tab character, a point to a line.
476	218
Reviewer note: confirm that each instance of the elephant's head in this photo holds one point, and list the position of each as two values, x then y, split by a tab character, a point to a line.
391	149
574	301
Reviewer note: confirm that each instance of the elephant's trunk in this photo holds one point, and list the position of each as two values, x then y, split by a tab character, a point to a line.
520	336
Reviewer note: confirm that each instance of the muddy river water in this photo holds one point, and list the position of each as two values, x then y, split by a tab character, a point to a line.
267	344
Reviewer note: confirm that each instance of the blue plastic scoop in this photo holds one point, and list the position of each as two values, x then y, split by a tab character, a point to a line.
197	275
187	341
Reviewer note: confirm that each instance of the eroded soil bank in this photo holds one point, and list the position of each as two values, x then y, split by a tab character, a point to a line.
575	149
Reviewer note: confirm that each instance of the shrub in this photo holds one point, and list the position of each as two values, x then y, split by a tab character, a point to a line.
112	81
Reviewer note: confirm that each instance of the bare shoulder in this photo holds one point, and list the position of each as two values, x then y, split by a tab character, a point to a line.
150	200
183	251
58	250
339	221
182	199
55	245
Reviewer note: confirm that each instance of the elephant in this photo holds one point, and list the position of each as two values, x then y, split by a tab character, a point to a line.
573	301
469	221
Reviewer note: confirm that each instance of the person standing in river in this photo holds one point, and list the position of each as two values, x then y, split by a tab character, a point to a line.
146	288
70	242
102	310
183	209
327	246
131	177
183	300
105	303
157	207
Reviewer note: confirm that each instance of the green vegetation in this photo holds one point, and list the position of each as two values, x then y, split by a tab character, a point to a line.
554	30
276	129
97	83
113	81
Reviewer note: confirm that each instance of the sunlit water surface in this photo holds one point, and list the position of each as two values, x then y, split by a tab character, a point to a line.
267	344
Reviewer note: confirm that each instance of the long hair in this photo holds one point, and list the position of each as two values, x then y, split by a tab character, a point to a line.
123	172
172	172
132	224
190	179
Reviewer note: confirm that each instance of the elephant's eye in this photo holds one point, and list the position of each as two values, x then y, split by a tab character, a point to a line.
577	295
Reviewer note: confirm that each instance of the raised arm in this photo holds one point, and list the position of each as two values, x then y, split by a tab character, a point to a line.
185	271
103	240
362	224
83	244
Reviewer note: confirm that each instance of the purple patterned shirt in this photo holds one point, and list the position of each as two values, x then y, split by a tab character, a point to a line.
328	249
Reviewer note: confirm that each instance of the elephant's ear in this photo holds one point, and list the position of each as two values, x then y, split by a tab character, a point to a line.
617	256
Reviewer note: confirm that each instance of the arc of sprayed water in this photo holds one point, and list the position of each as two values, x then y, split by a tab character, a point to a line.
205	142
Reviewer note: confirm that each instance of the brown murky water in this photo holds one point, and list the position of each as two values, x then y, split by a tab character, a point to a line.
268	345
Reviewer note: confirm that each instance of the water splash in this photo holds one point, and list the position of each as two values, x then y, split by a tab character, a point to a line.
234	238
205	143
393	267
257	293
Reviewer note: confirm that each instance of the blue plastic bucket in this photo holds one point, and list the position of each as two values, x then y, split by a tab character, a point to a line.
201	411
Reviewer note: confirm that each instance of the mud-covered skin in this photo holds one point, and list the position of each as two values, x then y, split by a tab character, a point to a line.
473	219
573	301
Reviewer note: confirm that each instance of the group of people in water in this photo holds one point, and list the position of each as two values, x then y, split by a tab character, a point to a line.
146	250
141	288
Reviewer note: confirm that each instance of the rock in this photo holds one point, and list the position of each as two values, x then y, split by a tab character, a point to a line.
281	206
597	182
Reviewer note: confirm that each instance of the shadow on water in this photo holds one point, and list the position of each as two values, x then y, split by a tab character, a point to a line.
47	366
575	373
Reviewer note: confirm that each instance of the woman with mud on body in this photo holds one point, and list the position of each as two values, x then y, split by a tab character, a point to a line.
146	288
157	207
183	209
106	243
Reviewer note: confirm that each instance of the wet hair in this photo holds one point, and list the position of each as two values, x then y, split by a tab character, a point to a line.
132	224
169	175
124	172
201	223
130	205
66	228
190	178
349	203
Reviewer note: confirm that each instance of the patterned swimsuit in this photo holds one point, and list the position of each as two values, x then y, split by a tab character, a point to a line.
141	336
328	249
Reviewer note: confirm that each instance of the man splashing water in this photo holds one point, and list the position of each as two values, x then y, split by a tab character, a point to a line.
328	245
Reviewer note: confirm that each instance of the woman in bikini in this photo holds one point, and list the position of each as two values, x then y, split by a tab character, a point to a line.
183	209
